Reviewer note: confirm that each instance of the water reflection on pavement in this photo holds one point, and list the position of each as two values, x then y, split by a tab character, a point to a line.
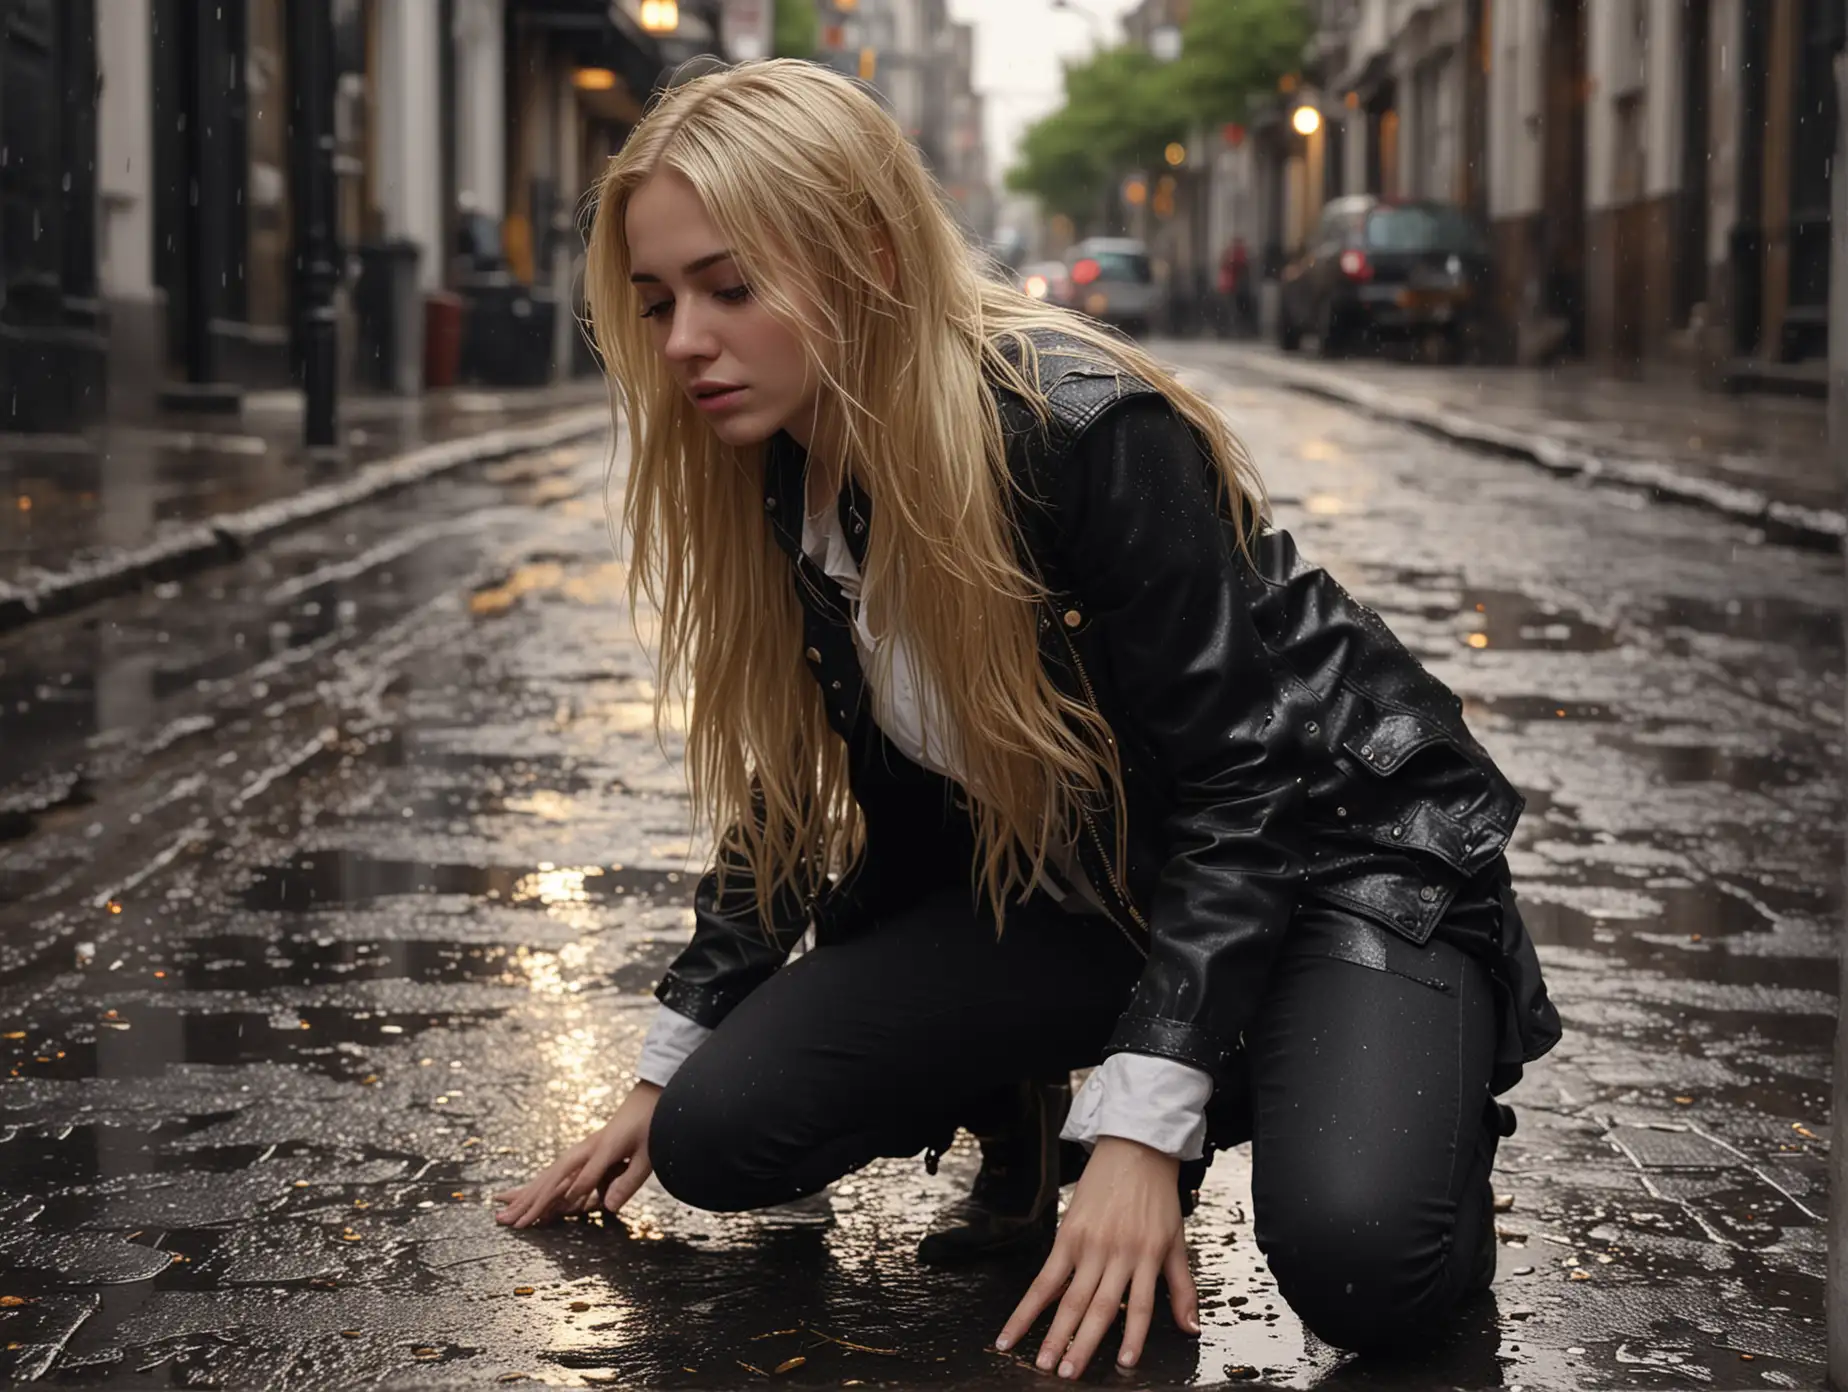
334	890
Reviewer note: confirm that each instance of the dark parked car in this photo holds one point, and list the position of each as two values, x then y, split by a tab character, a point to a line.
1377	269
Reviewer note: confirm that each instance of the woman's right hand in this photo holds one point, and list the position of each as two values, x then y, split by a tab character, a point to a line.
601	1171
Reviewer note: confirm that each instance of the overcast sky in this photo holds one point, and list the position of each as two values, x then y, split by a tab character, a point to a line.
1018	46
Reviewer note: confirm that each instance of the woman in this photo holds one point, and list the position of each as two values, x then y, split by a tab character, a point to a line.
999	682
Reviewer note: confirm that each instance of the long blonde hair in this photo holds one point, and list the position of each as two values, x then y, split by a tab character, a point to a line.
825	204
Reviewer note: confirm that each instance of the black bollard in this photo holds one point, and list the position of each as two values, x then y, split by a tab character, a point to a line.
316	251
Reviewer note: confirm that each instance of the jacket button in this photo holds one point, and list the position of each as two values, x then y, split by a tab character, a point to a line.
1073	618
834	686
769	504
1366	751
813	655
1313	728
1427	894
1341	811
1398	832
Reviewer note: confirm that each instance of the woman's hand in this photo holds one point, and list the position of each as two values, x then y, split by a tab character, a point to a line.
616	1157
1122	1230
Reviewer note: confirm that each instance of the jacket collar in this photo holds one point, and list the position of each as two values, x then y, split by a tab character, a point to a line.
786	500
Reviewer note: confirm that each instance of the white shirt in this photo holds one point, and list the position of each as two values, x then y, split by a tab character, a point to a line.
1139	1097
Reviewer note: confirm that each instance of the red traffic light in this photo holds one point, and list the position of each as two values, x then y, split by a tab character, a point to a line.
1086	271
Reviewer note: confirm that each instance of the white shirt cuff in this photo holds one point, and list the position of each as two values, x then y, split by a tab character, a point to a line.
670	1040
1139	1097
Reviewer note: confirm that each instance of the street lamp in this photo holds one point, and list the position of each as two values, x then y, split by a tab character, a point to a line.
1306	120
660	16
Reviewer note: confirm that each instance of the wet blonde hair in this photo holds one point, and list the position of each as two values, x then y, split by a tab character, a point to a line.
844	236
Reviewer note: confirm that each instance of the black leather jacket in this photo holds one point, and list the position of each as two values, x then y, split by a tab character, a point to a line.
1277	742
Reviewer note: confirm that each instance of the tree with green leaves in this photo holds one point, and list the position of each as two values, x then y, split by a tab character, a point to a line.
1233	50
1123	107
798	30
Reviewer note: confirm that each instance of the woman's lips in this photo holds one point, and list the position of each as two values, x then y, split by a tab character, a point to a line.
721	400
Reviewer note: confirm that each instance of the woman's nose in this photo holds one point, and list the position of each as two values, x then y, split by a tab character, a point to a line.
689	337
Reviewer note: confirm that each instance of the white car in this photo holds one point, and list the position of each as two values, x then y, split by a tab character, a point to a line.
1113	281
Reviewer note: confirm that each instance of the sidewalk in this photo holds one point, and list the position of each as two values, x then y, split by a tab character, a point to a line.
1760	459
83	517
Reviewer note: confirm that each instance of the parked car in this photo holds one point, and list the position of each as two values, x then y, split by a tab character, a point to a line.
1375	269
1050	281
1114	282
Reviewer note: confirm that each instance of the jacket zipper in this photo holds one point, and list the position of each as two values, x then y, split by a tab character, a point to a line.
1097	840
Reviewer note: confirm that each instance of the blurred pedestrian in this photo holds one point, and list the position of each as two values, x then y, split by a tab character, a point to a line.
1234	286
1000	681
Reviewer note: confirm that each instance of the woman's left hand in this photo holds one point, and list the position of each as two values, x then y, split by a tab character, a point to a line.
1121	1231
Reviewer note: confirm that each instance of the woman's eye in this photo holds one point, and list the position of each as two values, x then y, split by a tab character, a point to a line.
738	294
657	307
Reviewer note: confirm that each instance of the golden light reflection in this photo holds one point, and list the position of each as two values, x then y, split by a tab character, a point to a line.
547	804
497	599
1319	450
550	884
1324	505
601	585
1479	640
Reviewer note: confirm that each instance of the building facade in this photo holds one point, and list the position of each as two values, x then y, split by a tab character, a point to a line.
148	244
1655	174
921	64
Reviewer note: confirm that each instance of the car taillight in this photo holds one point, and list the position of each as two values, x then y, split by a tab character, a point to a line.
1355	266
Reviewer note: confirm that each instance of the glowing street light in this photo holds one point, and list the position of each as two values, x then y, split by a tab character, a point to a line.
660	16
1306	120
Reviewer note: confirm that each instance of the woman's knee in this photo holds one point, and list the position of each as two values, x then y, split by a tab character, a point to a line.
1365	1272
702	1145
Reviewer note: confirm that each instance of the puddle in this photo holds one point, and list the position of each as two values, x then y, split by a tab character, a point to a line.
1686	911
1528	709
322	878
1815	628
1509	619
1682	764
325	1040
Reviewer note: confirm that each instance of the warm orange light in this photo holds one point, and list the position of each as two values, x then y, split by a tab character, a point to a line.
593	79
1135	193
1175	154
1307	120
660	16
1479	640
1036	286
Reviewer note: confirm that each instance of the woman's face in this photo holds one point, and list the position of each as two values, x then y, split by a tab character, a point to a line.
737	363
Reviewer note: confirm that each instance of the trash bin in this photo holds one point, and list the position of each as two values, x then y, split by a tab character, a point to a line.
388	304
507	332
442	339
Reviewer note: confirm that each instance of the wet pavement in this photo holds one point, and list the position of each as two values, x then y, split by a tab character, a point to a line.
333	885
1752	456
74	500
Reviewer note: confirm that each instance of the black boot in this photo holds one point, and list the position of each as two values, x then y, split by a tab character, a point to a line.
1014	1202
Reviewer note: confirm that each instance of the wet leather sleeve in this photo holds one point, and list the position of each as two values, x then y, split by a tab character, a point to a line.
734	950
1160	583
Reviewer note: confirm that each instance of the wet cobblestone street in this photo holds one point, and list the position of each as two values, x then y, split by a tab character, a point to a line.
334	884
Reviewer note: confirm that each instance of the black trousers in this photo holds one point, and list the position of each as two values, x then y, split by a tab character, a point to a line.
1365	1087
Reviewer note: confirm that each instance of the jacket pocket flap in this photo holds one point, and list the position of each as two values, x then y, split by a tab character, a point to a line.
1393	739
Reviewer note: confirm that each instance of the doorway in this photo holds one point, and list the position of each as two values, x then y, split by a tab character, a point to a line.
1563	169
